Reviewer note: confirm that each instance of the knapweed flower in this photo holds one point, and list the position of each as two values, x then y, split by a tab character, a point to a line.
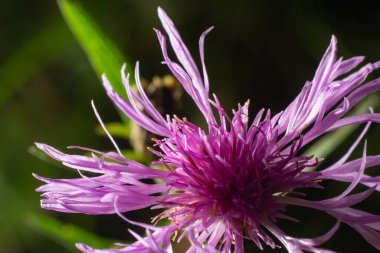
232	181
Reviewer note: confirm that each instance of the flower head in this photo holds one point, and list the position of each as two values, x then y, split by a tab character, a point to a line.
232	181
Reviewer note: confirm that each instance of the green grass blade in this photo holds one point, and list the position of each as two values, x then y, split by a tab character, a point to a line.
103	55
328	143
65	234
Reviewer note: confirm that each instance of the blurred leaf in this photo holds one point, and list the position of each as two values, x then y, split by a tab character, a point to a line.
44	157
120	130
65	234
30	57
116	129
132	155
328	143
103	55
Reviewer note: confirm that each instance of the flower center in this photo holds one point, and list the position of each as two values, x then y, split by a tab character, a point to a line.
233	174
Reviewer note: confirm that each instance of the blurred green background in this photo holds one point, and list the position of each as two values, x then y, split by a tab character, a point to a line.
262	50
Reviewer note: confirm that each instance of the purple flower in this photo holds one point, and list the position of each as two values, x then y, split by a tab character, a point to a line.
232	181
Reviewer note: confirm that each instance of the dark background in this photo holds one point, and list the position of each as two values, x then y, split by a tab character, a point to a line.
262	50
